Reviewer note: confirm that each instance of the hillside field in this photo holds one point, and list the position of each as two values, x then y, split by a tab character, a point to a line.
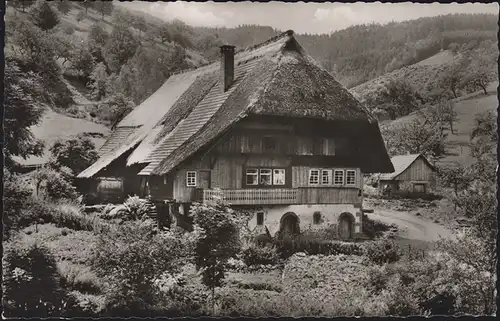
466	107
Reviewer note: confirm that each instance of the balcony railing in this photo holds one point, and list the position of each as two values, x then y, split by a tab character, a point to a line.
282	196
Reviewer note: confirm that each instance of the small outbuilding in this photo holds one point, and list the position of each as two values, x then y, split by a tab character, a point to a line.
413	174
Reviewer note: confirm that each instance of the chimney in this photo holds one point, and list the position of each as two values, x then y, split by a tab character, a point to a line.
227	66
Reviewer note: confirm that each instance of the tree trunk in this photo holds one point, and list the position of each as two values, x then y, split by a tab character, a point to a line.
484	88
454	91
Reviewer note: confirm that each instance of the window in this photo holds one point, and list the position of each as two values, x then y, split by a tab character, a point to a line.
191	178
269	144
350	177
252	177
314	176
338	177
326	177
317	218
278	177
260	218
265	177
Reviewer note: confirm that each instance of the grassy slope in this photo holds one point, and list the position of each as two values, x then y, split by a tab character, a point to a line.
54	126
418	74
466	107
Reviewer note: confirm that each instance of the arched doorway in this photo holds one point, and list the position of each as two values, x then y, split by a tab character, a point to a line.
346	226
289	224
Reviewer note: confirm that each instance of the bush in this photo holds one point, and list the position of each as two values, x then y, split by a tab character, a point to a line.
380	252
16	193
79	278
289	246
136	207
131	259
259	255
372	228
54	184
63	214
31	281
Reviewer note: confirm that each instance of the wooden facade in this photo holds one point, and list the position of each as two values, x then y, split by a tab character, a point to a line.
266	163
417	178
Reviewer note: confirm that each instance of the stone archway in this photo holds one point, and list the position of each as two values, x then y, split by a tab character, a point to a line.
346	226
290	224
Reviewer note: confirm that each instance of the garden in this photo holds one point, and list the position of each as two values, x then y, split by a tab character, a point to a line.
64	260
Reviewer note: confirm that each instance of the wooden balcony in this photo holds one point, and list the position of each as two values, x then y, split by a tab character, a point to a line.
285	196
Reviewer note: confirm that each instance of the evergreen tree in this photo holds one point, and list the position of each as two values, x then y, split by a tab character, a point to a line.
44	16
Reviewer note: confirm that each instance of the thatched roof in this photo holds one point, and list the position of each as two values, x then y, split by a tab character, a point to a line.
401	163
274	78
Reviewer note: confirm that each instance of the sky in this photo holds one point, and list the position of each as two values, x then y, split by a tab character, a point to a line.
314	18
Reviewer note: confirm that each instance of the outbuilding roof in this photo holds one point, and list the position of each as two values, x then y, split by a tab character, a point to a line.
401	163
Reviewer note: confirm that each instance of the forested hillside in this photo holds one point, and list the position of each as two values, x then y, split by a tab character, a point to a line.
363	52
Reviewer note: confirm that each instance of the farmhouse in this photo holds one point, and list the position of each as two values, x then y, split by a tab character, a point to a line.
413	175
266	128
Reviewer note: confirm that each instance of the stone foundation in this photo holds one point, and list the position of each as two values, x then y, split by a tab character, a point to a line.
327	220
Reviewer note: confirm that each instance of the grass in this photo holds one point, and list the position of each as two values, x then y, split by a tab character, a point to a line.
57	126
466	108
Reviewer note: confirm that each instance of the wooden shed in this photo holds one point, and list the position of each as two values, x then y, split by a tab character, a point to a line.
413	175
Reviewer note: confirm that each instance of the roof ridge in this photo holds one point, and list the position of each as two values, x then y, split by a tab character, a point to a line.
288	33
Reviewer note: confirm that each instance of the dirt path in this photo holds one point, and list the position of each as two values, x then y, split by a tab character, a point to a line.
411	227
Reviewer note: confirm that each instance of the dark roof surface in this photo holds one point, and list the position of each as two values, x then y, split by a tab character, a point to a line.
191	110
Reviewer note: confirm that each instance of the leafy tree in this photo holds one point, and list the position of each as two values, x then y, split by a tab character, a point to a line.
104	7
131	260
139	23
31	281
82	60
80	16
63	6
15	195
415	137
115	108
98	35
43	16
480	71
74	153
452	77
54	184
23	4
120	47
98	81
217	243
163	33
440	114
63	46
21	111
457	177
399	98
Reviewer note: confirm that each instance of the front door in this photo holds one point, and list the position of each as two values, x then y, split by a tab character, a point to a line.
419	188
290	225
345	227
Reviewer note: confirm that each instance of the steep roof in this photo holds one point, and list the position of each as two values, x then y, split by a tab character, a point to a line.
274	78
402	163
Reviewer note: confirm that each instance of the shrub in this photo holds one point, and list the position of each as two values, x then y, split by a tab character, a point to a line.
63	214
380	252
259	255
79	278
130	259
15	195
373	228
53	184
289	246
31	281
136	207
